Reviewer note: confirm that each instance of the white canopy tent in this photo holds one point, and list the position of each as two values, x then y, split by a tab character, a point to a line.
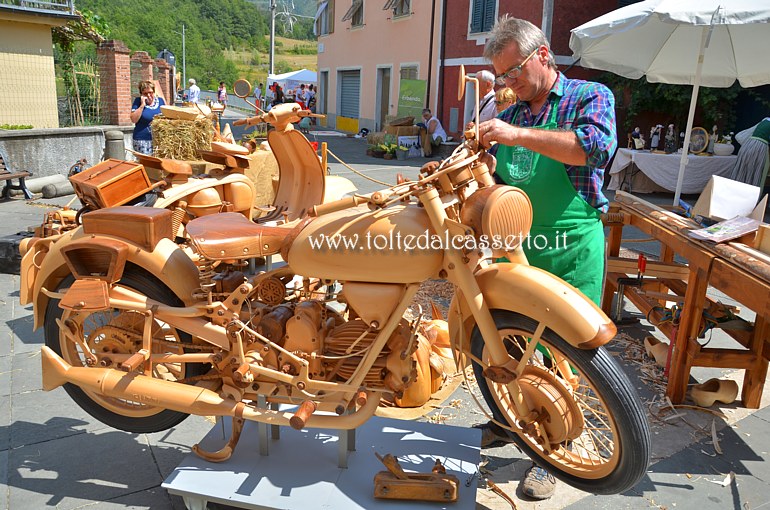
293	79
689	42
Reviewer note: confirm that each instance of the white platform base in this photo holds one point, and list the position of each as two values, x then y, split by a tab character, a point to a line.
301	471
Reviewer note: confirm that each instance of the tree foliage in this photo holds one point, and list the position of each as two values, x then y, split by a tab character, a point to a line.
716	106
210	27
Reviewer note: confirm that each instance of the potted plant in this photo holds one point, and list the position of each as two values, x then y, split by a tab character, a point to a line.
402	152
379	150
390	151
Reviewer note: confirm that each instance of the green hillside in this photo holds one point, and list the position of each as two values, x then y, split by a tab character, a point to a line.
225	39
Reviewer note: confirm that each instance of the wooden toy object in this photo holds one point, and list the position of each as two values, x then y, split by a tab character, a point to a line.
395	483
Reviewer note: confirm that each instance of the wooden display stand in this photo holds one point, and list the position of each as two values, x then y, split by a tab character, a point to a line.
302	471
721	266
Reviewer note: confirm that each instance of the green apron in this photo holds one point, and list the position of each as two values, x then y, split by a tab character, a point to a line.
567	236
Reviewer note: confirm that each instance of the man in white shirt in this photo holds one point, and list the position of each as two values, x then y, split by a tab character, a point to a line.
487	110
258	94
195	92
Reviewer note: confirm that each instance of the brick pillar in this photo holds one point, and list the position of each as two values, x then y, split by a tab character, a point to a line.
115	82
145	61
164	79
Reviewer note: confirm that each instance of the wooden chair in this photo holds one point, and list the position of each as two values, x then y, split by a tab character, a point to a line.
7	175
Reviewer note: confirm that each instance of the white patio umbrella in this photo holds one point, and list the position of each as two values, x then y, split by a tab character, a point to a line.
686	42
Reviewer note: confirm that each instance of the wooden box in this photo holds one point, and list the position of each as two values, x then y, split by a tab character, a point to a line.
144	226
110	183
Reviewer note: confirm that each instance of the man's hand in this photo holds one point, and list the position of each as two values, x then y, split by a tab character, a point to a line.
496	130
490	161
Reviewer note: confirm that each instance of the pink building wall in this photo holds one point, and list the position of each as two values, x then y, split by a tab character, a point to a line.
383	41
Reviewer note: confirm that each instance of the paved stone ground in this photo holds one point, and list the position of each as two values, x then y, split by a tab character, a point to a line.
52	454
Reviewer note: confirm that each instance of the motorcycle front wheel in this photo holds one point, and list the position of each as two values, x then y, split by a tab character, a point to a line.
114	331
604	436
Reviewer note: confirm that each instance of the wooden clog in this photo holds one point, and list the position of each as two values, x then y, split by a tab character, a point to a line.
656	349
723	390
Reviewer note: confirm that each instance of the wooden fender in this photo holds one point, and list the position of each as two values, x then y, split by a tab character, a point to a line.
537	294
167	262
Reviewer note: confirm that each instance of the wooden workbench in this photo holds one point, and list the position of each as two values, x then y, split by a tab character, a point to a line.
720	266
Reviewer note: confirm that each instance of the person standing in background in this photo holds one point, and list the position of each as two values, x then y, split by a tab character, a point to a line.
143	110
258	95
487	110
504	98
195	92
301	97
222	94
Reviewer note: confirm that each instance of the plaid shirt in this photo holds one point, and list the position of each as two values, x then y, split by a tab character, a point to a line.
588	109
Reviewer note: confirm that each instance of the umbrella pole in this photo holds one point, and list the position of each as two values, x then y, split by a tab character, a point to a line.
704	42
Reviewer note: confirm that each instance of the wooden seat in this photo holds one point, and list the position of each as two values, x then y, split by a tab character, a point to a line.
228	236
7	175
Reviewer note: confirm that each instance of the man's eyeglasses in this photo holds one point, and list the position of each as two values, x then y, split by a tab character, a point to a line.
515	71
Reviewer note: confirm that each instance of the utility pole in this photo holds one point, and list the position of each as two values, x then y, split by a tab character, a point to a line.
272	37
184	61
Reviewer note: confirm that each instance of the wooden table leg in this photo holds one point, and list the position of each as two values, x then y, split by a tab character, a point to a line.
613	250
754	378
689	324
666	255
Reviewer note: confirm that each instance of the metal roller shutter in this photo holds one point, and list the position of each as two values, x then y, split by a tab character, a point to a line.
350	89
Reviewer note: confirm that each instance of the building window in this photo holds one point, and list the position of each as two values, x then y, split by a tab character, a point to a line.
399	7
409	72
483	15
355	14
324	18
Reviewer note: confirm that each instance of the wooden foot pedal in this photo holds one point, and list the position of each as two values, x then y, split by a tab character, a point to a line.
397	484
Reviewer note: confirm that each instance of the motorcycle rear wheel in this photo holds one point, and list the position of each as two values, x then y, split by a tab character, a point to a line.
612	451
116	331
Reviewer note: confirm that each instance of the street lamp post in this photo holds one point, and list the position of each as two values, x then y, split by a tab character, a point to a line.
272	36
184	57
184	61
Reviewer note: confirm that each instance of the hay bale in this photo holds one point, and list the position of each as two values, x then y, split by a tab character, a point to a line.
182	139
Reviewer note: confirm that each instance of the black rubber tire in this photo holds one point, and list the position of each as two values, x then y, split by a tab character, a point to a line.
143	282
610	383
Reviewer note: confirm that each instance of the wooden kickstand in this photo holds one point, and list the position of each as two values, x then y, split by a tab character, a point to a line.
395	483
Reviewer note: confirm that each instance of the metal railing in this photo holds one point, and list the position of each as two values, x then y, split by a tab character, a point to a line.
42	6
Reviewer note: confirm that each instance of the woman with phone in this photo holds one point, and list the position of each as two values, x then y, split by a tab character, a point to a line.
144	109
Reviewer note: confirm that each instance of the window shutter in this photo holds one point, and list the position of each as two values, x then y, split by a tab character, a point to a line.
353	10
489	15
477	15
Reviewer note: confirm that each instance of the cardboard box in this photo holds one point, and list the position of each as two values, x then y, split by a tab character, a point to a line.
402	130
723	199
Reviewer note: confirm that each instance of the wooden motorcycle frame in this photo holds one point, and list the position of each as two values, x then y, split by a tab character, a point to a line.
273	339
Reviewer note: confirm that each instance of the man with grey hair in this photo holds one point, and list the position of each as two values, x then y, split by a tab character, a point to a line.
487	110
554	144
195	91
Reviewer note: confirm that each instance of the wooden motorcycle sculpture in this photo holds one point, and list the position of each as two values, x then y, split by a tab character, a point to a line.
303	182
142	330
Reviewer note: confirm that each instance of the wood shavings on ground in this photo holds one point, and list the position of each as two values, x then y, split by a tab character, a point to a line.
440	292
715	438
729	479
